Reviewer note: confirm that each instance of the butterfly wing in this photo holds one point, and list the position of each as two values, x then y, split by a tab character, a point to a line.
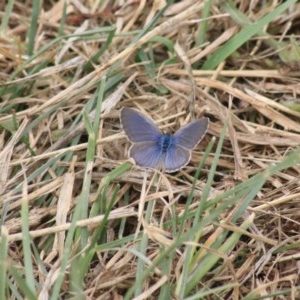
191	134
137	127
147	154
176	158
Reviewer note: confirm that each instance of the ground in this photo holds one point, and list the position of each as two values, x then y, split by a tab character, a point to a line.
80	219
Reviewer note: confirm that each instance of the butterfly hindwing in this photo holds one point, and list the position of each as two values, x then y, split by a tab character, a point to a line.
147	154
176	158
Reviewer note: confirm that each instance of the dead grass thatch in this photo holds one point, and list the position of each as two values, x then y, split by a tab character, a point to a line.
116	231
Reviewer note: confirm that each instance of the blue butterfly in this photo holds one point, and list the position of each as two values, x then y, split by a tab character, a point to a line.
152	149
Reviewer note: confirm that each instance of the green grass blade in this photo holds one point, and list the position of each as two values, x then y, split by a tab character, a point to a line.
6	15
36	5
3	261
244	35
26	240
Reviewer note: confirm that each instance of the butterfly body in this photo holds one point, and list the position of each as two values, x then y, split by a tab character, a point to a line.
152	149
166	142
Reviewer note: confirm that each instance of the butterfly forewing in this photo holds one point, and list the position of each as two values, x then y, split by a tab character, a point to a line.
176	158
137	127
191	134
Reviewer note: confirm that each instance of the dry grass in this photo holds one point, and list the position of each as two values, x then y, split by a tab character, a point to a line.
79	221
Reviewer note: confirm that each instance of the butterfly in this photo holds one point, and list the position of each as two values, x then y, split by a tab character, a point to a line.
152	149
